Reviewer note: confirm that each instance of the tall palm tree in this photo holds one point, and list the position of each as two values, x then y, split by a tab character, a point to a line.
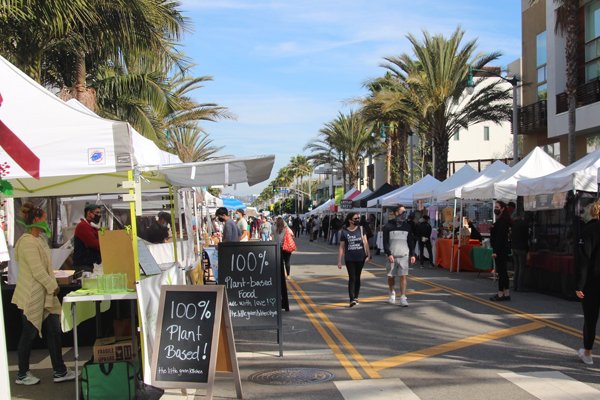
343	142
434	83
566	24
300	167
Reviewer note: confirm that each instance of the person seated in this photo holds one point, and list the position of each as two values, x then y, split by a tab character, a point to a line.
475	235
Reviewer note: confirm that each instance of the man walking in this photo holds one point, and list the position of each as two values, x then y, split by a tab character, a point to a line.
424	240
231	232
399	246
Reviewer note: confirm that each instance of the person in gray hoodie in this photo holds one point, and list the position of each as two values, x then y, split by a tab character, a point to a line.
399	246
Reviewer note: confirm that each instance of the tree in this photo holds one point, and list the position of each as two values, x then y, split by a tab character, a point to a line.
566	24
342	143
191	144
432	90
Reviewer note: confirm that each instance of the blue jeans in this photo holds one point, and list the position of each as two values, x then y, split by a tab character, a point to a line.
52	333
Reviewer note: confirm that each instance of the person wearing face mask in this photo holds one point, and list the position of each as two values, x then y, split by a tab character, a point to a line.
499	238
86	251
158	232
354	247
35	295
231	232
399	247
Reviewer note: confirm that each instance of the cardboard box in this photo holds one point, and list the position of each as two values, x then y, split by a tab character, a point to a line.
113	349
64	276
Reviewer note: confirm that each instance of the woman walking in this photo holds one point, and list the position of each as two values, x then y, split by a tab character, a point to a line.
588	282
35	295
499	237
354	247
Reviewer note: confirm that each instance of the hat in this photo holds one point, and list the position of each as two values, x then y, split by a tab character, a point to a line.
91	207
240	211
221	211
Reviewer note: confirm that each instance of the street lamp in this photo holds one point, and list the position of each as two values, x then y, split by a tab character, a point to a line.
514	81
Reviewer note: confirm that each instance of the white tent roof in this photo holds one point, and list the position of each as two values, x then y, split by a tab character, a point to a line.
363	194
459	178
488	174
504	187
405	196
323	207
73	152
350	193
52	131
581	175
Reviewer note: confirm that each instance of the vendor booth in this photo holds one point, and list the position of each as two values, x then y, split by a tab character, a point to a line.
557	204
53	149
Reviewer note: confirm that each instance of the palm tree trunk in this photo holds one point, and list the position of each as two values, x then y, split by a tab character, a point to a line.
571	60
389	158
440	143
80	91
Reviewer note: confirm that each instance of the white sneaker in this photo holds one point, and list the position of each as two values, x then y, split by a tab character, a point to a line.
403	301
586	359
68	376
392	299
28	380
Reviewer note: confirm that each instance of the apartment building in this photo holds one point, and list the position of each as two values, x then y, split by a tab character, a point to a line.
543	115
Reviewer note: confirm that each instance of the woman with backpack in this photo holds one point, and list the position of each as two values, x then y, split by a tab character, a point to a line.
354	247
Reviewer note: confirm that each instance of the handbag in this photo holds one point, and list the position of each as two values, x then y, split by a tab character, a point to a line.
289	246
116	380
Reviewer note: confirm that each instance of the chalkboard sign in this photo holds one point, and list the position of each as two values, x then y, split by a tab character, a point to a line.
191	328
251	272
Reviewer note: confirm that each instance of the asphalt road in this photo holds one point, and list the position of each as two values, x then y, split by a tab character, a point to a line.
451	342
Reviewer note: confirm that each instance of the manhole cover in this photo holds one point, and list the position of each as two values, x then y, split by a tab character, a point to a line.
292	376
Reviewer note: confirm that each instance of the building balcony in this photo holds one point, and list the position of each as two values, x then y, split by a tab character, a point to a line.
587	93
533	117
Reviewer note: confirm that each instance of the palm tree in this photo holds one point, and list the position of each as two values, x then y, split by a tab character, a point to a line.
191	144
566	23
343	142
432	94
300	167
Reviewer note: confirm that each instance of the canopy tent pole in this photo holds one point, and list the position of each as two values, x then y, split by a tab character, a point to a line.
459	236
134	240
198	226
173	230
453	229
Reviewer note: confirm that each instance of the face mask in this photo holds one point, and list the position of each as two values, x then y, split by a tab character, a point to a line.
221	218
96	219
496	212
401	217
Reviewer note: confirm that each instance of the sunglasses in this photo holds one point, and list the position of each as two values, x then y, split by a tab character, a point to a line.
355	219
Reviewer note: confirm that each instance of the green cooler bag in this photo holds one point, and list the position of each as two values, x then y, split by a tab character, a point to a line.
108	381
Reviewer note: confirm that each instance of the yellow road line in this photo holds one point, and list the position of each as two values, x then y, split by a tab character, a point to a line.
403	359
328	278
376	299
336	332
346	363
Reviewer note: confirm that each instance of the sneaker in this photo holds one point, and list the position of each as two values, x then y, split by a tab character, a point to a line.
353	303
356	300
403	302
392	299
27	380
68	375
586	359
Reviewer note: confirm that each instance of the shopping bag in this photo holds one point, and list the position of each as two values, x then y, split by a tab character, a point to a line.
289	246
101	381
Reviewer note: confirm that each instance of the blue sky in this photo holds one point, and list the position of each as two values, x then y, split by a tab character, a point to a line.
285	68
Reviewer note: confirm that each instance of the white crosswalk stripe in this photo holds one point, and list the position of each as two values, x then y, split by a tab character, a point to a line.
552	385
375	389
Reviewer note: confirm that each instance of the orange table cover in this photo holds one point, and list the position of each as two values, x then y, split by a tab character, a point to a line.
443	254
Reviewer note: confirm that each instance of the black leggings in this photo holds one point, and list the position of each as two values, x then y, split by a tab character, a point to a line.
591	307
354	270
502	271
285	260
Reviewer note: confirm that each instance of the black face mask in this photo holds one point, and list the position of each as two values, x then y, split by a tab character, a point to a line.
96	219
221	218
497	212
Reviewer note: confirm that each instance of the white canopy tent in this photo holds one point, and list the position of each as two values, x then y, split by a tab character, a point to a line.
323	208
464	175
582	175
488	174
404	195
504	187
351	194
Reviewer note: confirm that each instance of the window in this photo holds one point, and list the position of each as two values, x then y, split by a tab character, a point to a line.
457	134
486	133
592	40
541	58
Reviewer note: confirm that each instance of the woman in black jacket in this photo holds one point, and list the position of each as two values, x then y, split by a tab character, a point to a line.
499	237
588	282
